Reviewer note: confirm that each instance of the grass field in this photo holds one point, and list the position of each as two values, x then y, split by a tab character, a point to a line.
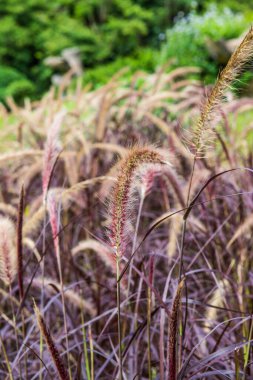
126	230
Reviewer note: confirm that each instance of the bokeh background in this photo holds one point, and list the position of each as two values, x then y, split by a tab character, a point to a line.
41	40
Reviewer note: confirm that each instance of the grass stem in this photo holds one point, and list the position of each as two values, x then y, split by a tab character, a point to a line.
119	318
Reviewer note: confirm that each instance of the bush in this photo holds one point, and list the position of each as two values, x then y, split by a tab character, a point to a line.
144	59
13	83
34	30
186	41
20	89
244	6
104	31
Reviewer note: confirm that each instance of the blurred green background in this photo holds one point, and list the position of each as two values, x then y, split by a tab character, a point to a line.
109	35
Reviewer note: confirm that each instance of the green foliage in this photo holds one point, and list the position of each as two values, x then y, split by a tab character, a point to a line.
13	83
244	6
144	59
32	30
186	41
20	89
124	31
104	30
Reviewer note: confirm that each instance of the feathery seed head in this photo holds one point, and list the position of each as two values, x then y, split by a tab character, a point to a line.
59	365
120	205
203	133
147	176
8	254
173	323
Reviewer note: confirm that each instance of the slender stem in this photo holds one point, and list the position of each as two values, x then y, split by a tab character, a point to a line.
237	365
135	348
14	325
6	359
85	350
43	282
182	251
41	353
191	178
247	353
63	309
184	222
119	318
91	353
149	307
135	240
181	261
133	324
24	335
43	258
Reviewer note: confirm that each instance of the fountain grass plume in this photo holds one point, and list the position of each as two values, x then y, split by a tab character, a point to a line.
234	67
8	251
20	242
120	208
62	372
173	326
122	194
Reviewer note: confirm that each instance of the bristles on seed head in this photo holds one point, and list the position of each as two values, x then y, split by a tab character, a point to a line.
8	254
129	171
239	58
59	365
147	176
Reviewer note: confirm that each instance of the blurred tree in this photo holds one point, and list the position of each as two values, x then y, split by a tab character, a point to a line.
191	40
32	30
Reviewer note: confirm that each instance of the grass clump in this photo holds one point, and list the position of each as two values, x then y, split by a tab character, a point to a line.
138	257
